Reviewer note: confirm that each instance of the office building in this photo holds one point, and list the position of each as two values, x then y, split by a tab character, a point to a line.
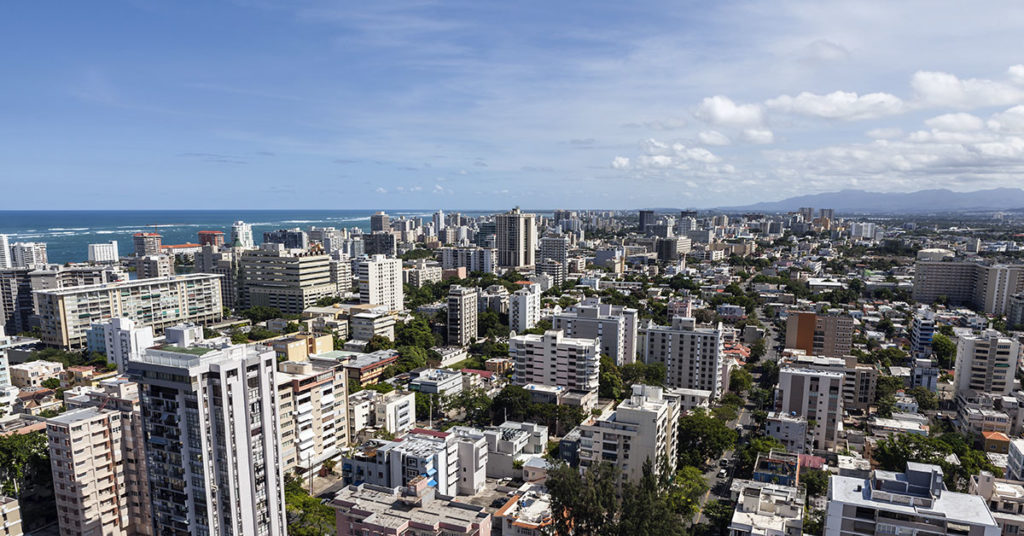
817	397
104	252
473	259
921	331
123	340
213	455
379	222
66	314
416	508
986	288
5	253
516	239
28	254
380	243
692	355
369	411
312	397
555	360
241	235
615	326
287	279
524	308
986	363
827	335
889	503
149	266
289	238
147	244
223	261
646	219
380	282
462	315
644	427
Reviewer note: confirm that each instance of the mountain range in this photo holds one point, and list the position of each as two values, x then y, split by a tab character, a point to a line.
923	201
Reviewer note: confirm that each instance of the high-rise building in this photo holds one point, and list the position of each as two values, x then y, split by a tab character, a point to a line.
66	314
553	269
241	235
613	325
828	335
379	222
313	412
692	355
516	239
380	243
287	279
439	223
473	259
524	308
369	411
153	266
341	275
986	363
147	244
123	340
462	318
817	397
17	285
290	238
860	379
380	282
987	288
890	503
646	219
5	253
921	332
28	254
644	427
223	261
104	252
555	248
210	414
553	359
211	238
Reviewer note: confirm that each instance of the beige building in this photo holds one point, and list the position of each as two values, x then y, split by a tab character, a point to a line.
1005	500
815	396
10	517
380	282
861	379
34	373
462	317
287	279
987	288
67	314
986	363
516	239
828	335
313	409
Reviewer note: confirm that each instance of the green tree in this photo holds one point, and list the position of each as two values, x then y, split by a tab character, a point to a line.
814	522
702	437
513	402
307	516
747	455
687	488
926	400
416	332
51	383
718	515
610	380
22	458
893	453
473	404
757	350
237	337
816	481
646	509
584	504
944	349
740	380
379	342
261	313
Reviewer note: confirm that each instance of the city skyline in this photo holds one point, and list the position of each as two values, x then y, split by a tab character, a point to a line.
412	103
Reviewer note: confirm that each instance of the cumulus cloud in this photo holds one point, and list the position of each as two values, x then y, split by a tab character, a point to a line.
1016	73
620	162
381	190
884	133
662	157
957	122
713	137
721	110
947	90
825	50
839	105
1011	120
758	135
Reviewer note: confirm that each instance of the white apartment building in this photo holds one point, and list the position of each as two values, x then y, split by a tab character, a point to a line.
516	239
555	360
393	412
643	427
380	282
287	279
312	412
555	248
10	516
473	259
426	453
365	325
34	373
435	381
123	340
817	397
5	253
524	308
615	326
986	363
768	510
241	235
921	332
789	430
104	252
213	451
692	355
472	453
913	502
462	315
28	254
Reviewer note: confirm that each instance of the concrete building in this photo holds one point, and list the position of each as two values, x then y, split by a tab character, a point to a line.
341	275
647	218
789	430
524	308
379	221
434	381
286	279
471	445
367	368
211	238
123	340
814	395
422	272
555	360
241	235
768	510
28	254
473	259
397	463
615	326
555	248
289	238
921	332
380	282
897	503
147	244
643	427
462	315
692	355
393	412
925	373
226	263
213	452
10	517
527	512
986	363
513	441
1005	499
312	398
827	335
987	288
34	373
553	269
859	384
5	253
516	239
148	266
365	326
417	508
382	243
67	314
104	252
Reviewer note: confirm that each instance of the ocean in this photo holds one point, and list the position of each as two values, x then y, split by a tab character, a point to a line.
67	234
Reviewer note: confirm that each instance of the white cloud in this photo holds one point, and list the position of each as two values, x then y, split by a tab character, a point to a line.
825	50
758	135
620	162
713	137
885	133
958	122
1016	73
946	90
721	110
381	190
1011	120
839	105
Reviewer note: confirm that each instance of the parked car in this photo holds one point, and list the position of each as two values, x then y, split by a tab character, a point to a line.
723	473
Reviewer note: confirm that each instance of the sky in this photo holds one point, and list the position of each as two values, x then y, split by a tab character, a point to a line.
485	105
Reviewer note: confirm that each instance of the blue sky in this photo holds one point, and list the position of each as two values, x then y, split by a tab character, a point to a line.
317	104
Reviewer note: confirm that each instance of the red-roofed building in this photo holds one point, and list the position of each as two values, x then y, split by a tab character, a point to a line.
211	238
997	442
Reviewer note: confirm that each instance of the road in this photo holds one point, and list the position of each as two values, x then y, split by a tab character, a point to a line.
719	487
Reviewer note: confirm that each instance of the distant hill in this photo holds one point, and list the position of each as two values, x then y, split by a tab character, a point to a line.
924	201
